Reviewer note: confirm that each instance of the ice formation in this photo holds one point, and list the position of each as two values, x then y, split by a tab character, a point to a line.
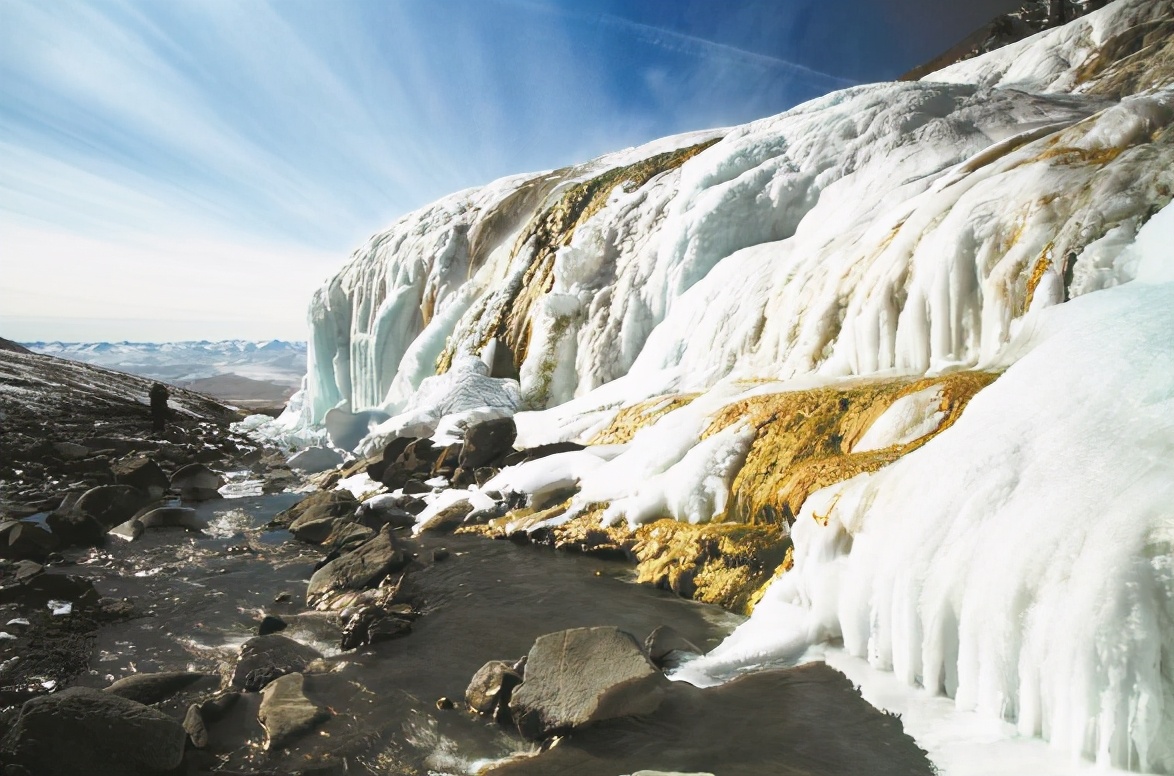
1004	213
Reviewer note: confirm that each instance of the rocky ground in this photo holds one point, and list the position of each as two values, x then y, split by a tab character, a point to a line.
152	627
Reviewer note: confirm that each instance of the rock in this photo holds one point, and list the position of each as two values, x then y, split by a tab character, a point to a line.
447	519
666	647
140	472
348	536
270	624
541	451
491	687
87	731
152	688
200	715
70	451
440	554
372	624
314	515
286	713
265	658
195	727
487	442
172	517
377	464
315	459
96	512
25	540
196	482
584	675
359	569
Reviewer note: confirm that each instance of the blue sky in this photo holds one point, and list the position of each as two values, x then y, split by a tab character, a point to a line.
180	170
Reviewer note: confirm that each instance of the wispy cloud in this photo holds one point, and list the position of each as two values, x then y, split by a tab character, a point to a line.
260	141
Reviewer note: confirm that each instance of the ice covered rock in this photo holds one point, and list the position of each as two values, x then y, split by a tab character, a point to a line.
315	459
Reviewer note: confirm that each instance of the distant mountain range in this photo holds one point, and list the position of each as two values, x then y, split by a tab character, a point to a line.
241	371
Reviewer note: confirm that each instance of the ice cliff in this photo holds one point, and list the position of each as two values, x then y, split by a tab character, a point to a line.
1005	213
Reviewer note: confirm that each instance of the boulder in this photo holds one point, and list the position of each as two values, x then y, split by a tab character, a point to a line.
377	465
584	675
487	442
271	624
87	731
359	569
70	451
196	482
286	713
666	647
140	472
265	658
172	517
97	511
314	515
25	540
37	589
370	625
346	536
491	687
152	688
315	459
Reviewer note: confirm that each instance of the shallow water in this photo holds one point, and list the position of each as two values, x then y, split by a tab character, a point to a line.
204	594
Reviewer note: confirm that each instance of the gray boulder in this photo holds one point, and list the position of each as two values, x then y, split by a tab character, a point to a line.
87	731
265	658
286	713
196	482
449	518
584	675
359	569
200	715
152	688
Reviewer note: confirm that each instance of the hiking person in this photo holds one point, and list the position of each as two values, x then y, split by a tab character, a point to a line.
159	396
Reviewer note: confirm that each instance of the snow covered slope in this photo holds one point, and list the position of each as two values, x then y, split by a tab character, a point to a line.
891	226
1008	213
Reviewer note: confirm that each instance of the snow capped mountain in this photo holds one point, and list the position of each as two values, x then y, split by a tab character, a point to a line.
999	229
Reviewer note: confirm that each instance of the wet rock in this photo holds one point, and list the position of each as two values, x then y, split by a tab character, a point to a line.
200	715
140	472
488	442
362	568
38	589
491	687
286	713
265	658
25	540
312	518
440	554
315	459
270	624
372	624
584	675
152	688
196	482
95	512
87	731
346	536
666	647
